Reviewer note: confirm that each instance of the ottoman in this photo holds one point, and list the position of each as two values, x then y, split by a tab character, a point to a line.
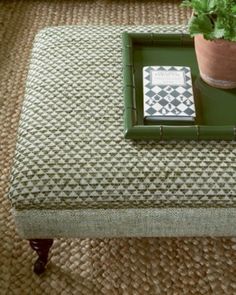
75	175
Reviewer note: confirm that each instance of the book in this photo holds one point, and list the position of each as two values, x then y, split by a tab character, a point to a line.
168	94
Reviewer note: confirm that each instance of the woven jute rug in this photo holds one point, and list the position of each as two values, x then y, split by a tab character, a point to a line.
94	266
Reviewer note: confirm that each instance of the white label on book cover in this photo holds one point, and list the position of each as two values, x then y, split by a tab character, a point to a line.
161	77
168	92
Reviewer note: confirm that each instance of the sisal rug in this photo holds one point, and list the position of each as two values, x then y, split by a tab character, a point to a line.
94	266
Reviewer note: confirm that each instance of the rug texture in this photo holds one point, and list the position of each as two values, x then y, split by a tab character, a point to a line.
94	266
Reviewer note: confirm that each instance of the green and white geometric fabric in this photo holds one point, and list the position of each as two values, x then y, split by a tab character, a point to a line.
71	152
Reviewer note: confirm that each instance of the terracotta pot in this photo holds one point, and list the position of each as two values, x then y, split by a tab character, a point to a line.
216	61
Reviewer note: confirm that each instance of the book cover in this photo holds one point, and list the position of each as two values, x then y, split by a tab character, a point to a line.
168	94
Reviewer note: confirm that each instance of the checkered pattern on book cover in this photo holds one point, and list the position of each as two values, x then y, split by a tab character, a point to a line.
168	100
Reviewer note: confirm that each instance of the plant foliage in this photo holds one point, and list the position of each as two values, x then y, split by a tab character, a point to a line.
215	19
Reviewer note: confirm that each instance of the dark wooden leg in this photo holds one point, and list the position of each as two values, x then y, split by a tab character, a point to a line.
42	247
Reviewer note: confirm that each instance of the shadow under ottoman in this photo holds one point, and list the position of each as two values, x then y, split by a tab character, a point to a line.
74	174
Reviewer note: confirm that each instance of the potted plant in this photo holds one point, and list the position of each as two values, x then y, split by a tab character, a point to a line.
213	25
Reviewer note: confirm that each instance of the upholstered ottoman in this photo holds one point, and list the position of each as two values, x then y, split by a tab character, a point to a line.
74	174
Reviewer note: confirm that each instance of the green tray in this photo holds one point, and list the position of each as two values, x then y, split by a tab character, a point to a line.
216	108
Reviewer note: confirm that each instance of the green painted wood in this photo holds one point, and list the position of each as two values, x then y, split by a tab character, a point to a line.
216	108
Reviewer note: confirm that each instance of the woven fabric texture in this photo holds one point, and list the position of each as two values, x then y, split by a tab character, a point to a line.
94	266
71	151
139	222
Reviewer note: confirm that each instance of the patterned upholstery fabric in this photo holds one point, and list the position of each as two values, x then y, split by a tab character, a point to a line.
71	152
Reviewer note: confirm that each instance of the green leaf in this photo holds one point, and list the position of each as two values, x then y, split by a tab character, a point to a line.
234	9
215	19
212	4
205	6
218	33
200	24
